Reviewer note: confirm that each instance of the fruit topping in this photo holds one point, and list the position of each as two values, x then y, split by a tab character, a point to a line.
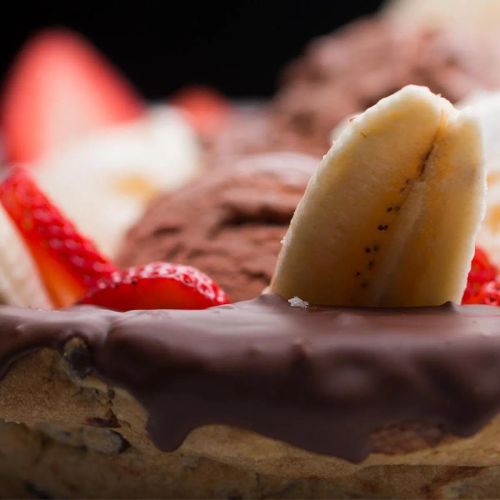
483	286
489	294
390	217
20	282
158	285
205	109
59	88
482	272
69	263
104	182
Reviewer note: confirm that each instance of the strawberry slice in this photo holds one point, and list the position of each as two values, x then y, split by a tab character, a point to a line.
159	285
205	109
482	272
59	88
69	263
488	294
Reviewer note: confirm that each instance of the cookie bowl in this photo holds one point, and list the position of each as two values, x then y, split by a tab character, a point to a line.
255	399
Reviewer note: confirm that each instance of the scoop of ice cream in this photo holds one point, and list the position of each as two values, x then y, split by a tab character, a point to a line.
246	132
251	130
348	71
104	181
228	223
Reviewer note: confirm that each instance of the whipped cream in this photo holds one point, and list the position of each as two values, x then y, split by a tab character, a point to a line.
485	106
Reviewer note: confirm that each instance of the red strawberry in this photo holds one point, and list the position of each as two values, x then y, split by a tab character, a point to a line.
69	264
482	271
159	285
488	294
59	88
205	109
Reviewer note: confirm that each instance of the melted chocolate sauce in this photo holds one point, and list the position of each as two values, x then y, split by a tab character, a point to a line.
323	378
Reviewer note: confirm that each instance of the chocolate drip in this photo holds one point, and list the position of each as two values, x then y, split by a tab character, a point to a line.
323	378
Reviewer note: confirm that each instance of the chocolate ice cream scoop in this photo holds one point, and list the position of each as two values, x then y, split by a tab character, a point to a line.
228	223
348	71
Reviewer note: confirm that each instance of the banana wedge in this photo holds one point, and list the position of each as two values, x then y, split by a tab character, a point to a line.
390	217
20	284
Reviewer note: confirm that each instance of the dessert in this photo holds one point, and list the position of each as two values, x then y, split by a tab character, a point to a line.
35	116
67	262
89	139
482	287
391	215
485	106
207	110
357	398
228	223
340	74
344	73
275	398
105	181
157	285
325	384
20	284
247	131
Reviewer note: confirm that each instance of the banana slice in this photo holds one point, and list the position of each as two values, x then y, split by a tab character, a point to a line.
390	217
20	284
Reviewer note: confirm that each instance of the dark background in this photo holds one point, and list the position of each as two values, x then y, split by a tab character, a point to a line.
238	47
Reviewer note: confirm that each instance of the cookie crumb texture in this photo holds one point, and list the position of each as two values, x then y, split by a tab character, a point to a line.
76	437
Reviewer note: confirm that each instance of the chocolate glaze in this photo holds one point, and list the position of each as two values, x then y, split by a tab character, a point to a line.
323	379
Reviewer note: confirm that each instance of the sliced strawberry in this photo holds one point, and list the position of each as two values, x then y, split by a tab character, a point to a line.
59	88
482	271
69	264
488	294
205	109
159	285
